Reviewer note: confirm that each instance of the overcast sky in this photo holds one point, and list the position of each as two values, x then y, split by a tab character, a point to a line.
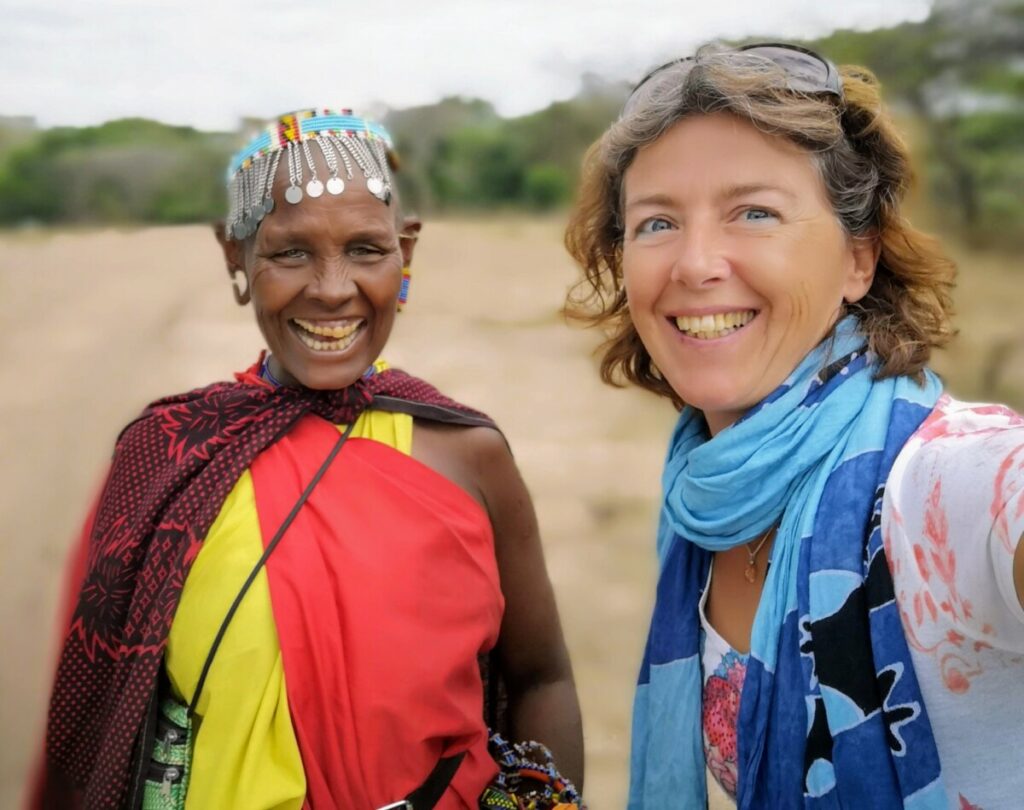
207	62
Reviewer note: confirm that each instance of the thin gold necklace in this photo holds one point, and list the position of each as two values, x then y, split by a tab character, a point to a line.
750	574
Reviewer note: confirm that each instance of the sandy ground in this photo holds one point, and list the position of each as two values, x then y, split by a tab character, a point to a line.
96	324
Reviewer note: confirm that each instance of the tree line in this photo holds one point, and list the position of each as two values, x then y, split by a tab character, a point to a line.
957	76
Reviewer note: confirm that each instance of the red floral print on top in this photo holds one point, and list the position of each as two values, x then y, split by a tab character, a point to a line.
952	517
724	670
720	714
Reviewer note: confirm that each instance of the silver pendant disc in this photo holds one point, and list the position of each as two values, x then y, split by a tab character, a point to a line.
268	205
314	188
375	185
293	194
335	185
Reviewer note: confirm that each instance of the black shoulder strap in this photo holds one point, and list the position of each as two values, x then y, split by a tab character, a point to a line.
429	793
262	560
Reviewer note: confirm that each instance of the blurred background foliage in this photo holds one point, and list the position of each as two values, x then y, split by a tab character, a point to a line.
956	79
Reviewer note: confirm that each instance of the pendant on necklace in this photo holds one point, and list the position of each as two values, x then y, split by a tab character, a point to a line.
750	573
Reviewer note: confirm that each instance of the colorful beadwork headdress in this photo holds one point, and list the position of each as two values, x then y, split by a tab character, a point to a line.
343	139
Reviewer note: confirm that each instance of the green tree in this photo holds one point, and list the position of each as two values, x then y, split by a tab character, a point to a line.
546	186
959	72
133	170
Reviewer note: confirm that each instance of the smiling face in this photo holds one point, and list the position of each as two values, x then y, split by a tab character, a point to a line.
734	263
324	277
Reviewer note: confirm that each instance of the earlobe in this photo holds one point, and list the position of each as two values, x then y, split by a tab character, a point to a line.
407	242
407	238
234	258
242	297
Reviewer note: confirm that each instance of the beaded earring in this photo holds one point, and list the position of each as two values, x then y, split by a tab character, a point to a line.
403	291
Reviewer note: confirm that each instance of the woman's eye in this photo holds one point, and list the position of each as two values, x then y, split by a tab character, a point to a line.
757	215
291	254
366	251
654	225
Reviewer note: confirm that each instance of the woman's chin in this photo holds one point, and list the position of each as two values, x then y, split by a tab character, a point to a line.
324	373
324	369
330	379
721	405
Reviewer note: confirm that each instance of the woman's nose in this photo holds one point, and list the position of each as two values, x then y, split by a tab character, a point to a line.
701	258
332	282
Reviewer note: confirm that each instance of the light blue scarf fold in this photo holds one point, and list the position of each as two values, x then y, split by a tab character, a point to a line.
810	458
721	493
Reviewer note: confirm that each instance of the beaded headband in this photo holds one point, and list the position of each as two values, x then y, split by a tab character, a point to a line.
342	138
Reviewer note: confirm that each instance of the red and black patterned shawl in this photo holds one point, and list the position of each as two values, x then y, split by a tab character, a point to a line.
172	469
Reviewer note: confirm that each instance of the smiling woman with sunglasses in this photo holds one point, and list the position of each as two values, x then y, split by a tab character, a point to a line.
839	617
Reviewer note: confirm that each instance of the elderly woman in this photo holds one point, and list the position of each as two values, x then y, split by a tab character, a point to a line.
838	619
289	581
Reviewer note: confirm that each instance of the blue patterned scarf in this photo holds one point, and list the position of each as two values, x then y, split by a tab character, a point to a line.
831	714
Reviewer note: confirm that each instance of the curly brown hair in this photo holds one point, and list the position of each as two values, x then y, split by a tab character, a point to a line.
863	163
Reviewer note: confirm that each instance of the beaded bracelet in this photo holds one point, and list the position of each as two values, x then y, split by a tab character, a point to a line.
527	779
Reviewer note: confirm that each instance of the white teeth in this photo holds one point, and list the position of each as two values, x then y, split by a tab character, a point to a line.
708	327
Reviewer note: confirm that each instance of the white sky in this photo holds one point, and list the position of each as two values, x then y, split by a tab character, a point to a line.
209	62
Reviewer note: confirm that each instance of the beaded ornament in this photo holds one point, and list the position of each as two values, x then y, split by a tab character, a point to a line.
527	779
403	292
343	138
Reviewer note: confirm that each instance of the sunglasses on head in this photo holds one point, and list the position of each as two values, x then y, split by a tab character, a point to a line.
806	71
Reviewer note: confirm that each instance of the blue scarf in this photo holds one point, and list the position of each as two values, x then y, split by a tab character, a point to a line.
831	714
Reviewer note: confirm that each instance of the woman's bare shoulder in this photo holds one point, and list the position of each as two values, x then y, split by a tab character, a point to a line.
477	459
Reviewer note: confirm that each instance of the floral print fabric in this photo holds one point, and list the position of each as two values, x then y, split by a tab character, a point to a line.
724	672
952	517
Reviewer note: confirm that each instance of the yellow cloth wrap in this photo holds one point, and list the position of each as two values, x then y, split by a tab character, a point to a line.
246	755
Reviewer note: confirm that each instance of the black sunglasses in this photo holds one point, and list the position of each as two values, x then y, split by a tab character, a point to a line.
806	71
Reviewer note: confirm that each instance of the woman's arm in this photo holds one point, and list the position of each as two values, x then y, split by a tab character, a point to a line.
534	661
542	702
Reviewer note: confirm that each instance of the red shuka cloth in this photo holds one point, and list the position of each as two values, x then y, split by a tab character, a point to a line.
172	469
385	591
